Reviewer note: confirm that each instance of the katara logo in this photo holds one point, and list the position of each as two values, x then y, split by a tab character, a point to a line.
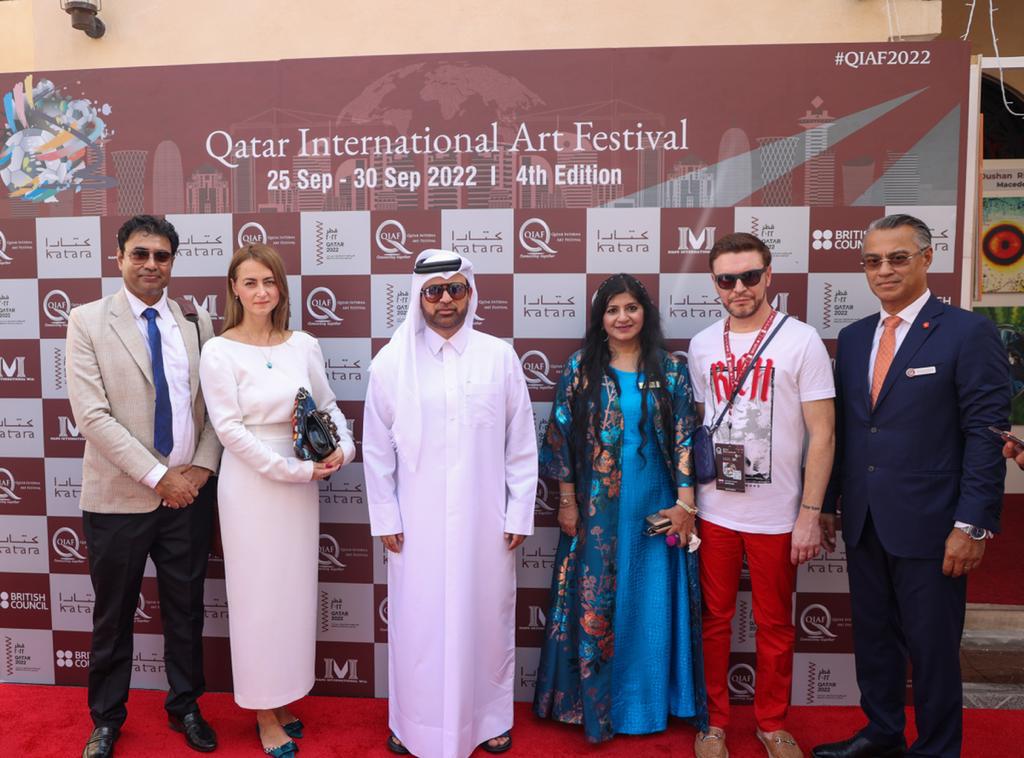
536	367
741	680
57	306
3	249
815	621
140	610
535	237
66	544
330	551
391	237
321	305
7	485
252	234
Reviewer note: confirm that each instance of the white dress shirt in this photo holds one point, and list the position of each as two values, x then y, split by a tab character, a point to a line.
176	370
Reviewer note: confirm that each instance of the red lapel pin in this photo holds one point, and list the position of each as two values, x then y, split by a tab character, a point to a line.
925	325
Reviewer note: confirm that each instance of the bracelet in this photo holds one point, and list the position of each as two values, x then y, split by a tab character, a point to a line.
806	507
692	510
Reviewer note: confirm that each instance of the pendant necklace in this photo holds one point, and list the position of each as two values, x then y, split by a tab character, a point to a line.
270	363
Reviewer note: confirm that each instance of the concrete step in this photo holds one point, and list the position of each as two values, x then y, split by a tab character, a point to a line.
992	655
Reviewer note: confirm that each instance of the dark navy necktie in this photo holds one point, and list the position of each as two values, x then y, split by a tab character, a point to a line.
163	435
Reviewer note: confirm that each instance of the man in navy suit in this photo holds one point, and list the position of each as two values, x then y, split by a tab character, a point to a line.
920	478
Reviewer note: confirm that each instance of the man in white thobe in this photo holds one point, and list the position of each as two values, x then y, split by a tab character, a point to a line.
450	456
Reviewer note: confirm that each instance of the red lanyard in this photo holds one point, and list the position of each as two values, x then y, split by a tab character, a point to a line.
736	369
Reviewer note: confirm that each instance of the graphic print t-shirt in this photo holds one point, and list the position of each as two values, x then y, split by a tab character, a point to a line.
766	418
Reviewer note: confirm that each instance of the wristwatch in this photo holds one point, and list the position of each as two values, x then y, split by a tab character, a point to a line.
974	532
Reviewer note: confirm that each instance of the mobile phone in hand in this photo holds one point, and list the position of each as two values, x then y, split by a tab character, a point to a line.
1007	436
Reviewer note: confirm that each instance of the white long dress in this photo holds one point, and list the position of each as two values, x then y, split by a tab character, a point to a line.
452	588
269	511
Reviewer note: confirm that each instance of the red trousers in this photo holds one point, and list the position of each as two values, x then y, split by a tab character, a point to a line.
772	579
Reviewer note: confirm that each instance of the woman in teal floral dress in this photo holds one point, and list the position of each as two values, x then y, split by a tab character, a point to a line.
622	648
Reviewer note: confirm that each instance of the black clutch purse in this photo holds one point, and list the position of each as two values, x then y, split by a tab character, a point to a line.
314	432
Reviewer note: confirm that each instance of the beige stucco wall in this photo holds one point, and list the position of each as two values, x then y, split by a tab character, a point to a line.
37	36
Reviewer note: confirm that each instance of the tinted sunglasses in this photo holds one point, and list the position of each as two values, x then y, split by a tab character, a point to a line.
749	278
899	259
433	293
140	255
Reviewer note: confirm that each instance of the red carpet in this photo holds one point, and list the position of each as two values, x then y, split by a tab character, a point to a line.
47	722
997	580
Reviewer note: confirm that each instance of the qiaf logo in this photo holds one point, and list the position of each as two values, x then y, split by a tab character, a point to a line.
535	237
7	487
382	610
816	621
252	233
67	545
47	136
541	501
57	306
4	257
741	679
391	239
321	305
66	659
140	610
537	369
330	553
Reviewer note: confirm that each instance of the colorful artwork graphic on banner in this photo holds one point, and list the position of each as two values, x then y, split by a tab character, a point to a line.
550	170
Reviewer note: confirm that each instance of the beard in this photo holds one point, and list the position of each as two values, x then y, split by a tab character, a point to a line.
446	322
745	308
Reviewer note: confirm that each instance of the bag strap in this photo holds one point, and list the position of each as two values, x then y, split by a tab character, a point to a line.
743	378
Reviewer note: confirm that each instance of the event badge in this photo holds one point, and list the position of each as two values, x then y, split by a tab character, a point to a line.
730	462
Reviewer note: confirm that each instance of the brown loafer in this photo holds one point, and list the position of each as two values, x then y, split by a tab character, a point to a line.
710	744
780	744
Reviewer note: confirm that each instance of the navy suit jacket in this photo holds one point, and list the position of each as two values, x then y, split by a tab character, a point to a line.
923	458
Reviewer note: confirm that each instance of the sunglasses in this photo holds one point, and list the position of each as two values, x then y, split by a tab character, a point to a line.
749	278
433	293
140	255
899	259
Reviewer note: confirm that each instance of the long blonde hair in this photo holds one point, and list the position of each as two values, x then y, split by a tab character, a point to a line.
269	257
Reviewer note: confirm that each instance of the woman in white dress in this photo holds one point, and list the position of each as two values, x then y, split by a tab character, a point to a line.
267	497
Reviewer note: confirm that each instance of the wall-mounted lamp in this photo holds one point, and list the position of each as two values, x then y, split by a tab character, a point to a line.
84	16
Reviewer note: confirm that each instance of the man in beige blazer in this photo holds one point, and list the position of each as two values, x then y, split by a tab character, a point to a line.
133	382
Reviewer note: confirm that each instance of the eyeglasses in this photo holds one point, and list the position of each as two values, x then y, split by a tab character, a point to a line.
899	259
140	255
434	292
749	278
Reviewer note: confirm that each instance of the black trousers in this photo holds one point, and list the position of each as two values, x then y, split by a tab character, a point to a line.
178	540
906	607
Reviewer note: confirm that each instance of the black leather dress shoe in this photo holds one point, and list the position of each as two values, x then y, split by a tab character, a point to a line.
859	746
101	742
198	734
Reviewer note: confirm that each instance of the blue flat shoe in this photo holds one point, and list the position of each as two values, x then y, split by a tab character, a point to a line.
294	729
281	751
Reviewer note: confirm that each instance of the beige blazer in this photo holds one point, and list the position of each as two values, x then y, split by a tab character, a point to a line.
110	385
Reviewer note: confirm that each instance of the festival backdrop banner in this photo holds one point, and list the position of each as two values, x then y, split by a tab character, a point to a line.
549	169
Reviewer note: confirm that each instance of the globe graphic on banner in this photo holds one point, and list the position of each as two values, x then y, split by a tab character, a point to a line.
457	91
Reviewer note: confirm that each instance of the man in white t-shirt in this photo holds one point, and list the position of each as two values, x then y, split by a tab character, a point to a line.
759	504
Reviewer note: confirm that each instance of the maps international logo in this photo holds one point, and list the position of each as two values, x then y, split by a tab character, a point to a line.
392	238
252	233
347	671
322	306
695	240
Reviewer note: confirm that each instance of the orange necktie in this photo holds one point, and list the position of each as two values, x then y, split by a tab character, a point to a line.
886	350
